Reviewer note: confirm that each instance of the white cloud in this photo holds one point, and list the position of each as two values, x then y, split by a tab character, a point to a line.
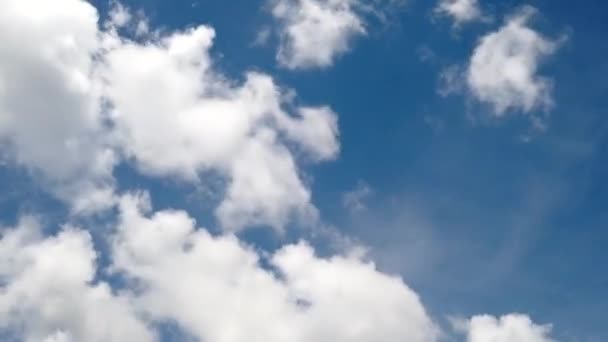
172	113
461	11
121	18
213	287
48	293
49	117
315	32
503	69
509	328
187	118
265	188
216	289
119	15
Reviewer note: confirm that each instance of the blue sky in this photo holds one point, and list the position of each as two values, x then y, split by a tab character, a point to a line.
477	210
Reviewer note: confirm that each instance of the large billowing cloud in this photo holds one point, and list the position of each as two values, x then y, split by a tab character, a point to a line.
503	69
101	98
48	292
508	328
175	115
50	121
217	290
315	32
214	288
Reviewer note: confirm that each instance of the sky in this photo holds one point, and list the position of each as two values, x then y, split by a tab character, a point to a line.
303	170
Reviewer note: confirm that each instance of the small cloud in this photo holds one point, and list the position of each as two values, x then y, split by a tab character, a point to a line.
354	200
502	73
451	81
142	28
119	15
503	68
262	37
436	123
461	11
314	32
508	328
426	54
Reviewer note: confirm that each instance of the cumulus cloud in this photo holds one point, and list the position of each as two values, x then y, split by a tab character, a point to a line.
187	119
216	289
503	71
100	99
508	328
49	105
461	11
48	292
315	32
213	287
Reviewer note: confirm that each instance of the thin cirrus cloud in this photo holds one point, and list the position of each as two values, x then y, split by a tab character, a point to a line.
355	200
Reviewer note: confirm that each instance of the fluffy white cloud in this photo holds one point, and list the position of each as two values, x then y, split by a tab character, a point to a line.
265	188
82	99
216	289
509	328
48	293
315	32
461	11
503	69
49	105
175	115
